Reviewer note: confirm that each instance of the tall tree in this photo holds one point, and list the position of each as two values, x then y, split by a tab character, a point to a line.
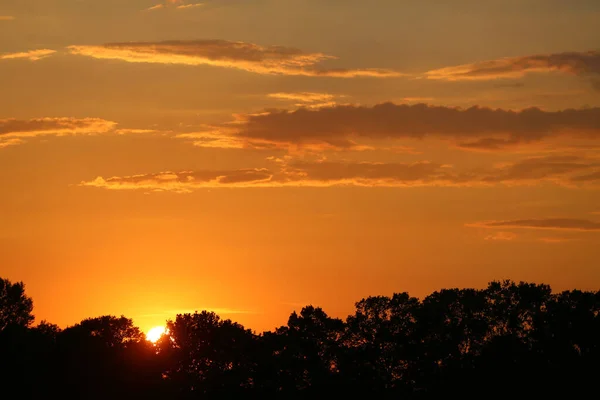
15	306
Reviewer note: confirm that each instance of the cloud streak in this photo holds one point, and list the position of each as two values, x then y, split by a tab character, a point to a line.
501	237
32	55
13	131
572	63
269	60
176	4
324	173
567	224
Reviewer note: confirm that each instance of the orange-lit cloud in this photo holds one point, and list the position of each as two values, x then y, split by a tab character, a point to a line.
32	55
184	182
9	142
502	236
188	6
250	57
573	63
324	173
7	18
53	126
176	4
12	131
569	224
319	174
307	99
343	125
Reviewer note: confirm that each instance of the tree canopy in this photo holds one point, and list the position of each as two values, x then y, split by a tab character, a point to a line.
508	339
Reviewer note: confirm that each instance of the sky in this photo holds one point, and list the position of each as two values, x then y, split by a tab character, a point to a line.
251	157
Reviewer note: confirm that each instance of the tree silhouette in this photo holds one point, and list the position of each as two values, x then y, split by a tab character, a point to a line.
15	306
506	340
204	355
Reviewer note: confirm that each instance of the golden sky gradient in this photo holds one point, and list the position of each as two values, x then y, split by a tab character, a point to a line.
252	157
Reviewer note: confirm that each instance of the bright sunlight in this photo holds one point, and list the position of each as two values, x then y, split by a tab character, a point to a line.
155	333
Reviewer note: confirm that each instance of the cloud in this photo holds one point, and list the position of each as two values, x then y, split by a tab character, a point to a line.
33	55
558	169
343	125
7	18
307	99
183	182
9	142
188	6
572	63
568	224
176	4
13	131
156	7
289	172
294	174
592	177
54	126
271	60
502	236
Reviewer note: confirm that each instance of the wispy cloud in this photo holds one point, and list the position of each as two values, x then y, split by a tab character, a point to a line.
156	7
174	4
289	172
276	60
9	142
188	6
568	224
53	126
13	131
307	99
502	236
7	18
564	170
32	55
184	182
572	63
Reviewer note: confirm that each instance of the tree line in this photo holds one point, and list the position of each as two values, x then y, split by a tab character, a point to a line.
509	339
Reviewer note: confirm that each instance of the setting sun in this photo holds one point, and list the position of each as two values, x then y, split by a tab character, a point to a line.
155	333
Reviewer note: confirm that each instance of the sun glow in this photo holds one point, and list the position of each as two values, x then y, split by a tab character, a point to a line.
155	333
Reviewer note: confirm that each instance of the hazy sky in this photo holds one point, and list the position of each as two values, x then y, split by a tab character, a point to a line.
254	156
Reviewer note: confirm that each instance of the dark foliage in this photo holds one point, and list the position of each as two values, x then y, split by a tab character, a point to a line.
506	340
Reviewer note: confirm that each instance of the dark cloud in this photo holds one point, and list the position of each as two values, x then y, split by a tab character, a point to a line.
343	125
562	169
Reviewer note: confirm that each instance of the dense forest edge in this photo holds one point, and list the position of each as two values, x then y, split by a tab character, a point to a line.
509	339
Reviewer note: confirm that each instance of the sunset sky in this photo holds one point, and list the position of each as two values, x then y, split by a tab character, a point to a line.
254	156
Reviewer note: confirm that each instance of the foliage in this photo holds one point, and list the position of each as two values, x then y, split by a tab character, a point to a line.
508	339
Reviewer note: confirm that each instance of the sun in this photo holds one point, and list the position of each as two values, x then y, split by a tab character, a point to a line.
155	333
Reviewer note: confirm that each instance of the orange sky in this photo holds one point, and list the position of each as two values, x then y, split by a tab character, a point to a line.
252	157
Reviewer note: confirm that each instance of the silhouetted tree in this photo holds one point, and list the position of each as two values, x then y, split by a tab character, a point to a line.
15	307
206	356
506	340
